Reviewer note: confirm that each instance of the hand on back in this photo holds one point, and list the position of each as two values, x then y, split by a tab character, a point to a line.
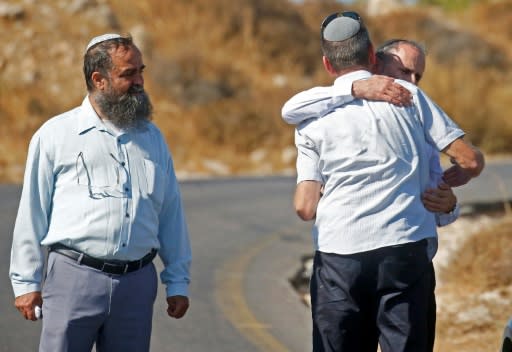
382	88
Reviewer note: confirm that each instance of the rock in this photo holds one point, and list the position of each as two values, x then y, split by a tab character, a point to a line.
477	315
382	7
216	167
11	11
258	156
288	155
76	6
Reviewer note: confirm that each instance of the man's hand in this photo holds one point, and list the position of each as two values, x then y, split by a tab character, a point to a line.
27	303
440	199
177	306
382	88
466	156
455	176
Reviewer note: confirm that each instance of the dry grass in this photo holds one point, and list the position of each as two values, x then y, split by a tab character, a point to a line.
218	74
474	282
474	302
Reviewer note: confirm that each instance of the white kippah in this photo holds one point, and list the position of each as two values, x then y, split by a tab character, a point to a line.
101	38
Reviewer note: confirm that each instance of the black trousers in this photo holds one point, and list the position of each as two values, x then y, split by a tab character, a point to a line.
432	312
381	297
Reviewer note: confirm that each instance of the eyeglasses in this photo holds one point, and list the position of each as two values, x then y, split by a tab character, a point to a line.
84	177
351	14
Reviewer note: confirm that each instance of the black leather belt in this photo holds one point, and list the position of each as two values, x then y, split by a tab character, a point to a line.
107	266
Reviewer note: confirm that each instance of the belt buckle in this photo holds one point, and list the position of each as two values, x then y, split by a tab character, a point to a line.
113	268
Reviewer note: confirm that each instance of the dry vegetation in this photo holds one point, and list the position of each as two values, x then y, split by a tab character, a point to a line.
475	296
219	74
474	281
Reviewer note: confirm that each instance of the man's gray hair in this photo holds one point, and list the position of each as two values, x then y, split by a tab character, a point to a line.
349	52
392	45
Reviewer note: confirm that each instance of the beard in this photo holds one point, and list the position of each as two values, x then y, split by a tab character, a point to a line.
130	110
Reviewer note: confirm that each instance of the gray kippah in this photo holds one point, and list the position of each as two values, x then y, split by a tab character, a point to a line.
101	38
341	28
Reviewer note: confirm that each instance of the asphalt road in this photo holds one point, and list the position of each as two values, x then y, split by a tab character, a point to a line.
246	244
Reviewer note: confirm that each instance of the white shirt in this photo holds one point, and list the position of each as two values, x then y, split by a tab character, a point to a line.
318	101
372	158
108	193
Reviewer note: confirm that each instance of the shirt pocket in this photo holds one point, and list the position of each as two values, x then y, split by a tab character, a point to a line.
155	183
100	175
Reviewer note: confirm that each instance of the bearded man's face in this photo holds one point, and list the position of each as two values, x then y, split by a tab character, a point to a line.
125	110
122	100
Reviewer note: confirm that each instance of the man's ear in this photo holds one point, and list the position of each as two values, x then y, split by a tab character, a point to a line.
98	80
328	67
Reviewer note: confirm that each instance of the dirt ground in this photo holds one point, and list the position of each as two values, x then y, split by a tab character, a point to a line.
474	283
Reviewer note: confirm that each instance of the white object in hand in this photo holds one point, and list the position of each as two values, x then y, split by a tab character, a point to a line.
39	312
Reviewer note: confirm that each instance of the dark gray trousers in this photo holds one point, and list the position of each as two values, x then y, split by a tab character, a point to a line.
83	306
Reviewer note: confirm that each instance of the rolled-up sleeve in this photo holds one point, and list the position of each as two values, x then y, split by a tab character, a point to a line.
307	158
440	129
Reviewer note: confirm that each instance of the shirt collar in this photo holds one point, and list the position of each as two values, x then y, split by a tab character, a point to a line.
89	119
346	80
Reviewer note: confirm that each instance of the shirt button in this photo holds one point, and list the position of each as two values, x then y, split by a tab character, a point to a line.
123	163
127	215
126	189
124	244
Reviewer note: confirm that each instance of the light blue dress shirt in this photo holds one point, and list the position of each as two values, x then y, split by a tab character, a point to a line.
107	193
373	159
319	101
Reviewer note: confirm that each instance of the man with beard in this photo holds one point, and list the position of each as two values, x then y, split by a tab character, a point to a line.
100	192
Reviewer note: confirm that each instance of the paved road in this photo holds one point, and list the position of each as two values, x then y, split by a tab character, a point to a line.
492	187
246	243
